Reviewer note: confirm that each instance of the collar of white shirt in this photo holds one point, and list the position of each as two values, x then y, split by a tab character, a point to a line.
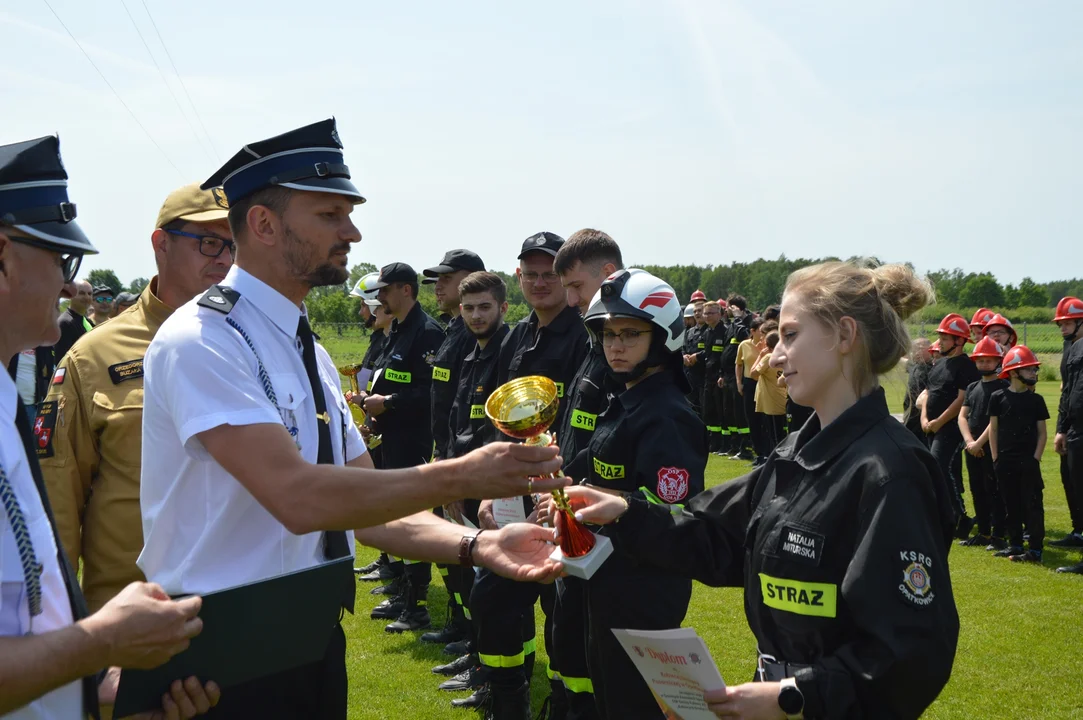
276	306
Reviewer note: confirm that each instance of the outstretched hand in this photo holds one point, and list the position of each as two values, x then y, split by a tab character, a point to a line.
519	551
595	506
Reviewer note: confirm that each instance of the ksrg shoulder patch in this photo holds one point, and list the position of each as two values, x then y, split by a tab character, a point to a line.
917	583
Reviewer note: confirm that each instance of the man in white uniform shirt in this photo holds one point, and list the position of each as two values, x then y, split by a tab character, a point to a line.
246	431
51	652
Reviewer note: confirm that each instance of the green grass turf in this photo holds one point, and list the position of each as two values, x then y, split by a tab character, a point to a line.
1020	646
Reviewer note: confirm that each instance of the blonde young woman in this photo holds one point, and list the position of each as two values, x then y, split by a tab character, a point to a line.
841	538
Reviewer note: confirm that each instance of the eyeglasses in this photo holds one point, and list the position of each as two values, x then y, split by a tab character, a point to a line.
628	337
209	245
548	277
69	262
103	298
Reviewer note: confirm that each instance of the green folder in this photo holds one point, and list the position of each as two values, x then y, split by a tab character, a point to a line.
250	631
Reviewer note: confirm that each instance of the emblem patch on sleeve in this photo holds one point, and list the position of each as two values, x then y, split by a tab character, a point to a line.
59	375
44	425
672	484
917	582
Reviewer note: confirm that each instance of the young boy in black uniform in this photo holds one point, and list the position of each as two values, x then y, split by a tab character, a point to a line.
693	346
974	427
948	381
458	341
400	403
710	355
647	439
1017	440
483	298
733	410
552	342
583	263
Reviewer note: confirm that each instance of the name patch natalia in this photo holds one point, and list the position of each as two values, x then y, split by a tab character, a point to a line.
801	545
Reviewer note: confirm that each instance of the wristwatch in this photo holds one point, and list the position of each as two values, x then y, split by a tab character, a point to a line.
791	700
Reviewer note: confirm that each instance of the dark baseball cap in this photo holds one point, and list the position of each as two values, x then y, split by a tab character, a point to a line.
104	290
454	260
395	272
544	241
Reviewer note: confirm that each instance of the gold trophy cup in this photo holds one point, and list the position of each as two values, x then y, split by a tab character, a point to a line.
524	408
357	412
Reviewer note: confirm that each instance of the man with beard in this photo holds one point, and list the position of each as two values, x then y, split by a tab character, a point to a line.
399	404
483	298
446	276
256	470
73	321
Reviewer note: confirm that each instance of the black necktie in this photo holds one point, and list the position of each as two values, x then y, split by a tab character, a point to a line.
79	608
335	544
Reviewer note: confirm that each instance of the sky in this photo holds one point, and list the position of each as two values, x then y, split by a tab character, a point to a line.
692	131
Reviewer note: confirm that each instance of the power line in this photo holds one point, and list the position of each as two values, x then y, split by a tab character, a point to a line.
166	82
110	86
183	86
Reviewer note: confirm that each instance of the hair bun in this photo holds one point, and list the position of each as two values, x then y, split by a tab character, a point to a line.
902	289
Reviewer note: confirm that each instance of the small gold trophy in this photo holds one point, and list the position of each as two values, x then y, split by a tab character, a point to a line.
524	408
357	412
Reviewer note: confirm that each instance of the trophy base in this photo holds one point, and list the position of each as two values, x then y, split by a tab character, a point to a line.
585	566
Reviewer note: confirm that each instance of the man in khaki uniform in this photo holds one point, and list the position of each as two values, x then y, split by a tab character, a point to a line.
89	428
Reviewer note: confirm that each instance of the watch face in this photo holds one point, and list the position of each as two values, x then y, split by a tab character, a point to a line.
791	700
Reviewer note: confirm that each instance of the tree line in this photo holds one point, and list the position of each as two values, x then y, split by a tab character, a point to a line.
761	282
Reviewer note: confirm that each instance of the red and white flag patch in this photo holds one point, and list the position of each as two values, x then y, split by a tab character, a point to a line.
672	484
59	375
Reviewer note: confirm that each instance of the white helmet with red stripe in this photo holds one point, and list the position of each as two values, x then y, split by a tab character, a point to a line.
638	294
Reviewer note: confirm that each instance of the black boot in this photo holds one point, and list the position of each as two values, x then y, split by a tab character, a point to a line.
415	611
507	704
389	571
395	587
372	566
468	679
458	665
390	608
556	705
462	647
478	698
456	628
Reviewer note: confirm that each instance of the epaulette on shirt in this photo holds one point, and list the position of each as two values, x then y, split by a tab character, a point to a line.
220	298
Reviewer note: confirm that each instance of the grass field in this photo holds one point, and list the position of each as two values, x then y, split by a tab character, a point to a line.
1020	647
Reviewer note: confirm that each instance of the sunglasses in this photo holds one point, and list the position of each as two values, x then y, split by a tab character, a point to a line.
103	298
69	262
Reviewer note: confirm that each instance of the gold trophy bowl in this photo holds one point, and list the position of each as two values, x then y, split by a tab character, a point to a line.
358	413
524	408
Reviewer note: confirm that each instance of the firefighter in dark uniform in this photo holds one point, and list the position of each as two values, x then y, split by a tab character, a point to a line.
483	297
693	346
583	263
710	356
648	438
1068	441
733	410
551	341
400	403
841	538
458	341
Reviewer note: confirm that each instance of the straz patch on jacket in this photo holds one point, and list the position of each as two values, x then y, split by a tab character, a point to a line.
801	598
44	426
396	376
801	545
477	412
441	374
130	370
560	389
583	420
607	471
917	582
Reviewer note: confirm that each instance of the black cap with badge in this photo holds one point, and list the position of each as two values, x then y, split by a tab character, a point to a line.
454	260
308	158
545	242
392	273
34	196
